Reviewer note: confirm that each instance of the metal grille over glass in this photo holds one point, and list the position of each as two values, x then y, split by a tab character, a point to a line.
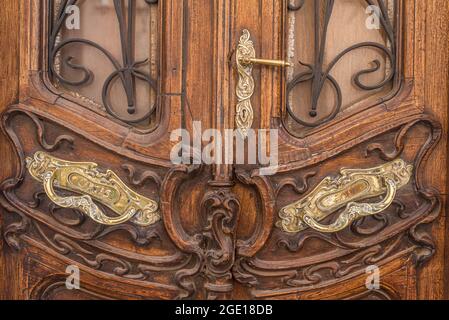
344	55
109	58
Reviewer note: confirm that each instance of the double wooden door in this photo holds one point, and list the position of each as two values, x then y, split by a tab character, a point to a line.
348	100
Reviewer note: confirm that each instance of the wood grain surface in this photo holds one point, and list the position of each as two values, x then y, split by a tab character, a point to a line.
217	238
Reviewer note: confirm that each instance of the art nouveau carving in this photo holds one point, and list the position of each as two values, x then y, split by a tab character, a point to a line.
211	229
359	246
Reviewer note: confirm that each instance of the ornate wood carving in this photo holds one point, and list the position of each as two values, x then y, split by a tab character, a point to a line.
364	244
221	210
217	223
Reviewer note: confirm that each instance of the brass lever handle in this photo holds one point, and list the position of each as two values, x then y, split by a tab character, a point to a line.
246	59
333	194
267	62
85	179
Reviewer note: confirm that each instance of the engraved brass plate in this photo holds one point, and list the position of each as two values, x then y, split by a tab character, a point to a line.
85	179
333	194
246	59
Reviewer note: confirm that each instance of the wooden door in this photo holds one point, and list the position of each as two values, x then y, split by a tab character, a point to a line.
351	97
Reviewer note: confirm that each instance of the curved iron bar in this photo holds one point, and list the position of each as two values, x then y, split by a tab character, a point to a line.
319	75
126	72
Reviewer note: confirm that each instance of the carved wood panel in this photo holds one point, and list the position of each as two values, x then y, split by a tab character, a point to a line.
220	232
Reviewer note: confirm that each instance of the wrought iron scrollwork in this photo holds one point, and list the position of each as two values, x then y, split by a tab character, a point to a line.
127	72
319	73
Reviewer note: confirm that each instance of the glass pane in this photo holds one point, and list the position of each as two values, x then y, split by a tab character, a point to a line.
344	55
109	59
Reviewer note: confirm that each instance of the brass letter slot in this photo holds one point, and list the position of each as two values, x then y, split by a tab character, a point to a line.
351	185
85	179
266	62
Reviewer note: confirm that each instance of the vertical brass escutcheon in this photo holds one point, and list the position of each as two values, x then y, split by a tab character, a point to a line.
85	179
246	59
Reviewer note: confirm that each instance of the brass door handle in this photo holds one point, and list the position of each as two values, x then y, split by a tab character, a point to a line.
266	62
245	59
333	194
84	178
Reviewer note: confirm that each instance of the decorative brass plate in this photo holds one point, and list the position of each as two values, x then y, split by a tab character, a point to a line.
85	179
351	185
244	116
246	59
